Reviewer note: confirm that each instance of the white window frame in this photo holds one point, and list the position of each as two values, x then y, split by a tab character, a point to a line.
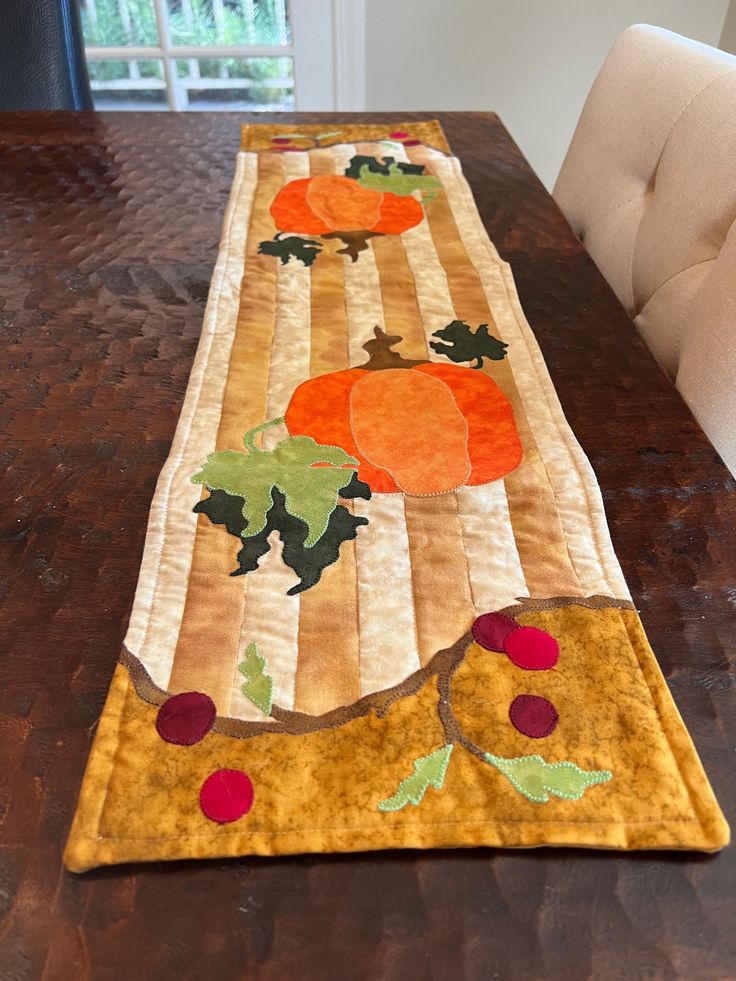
327	52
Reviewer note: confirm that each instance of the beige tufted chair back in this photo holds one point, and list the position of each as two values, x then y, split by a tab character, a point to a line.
649	186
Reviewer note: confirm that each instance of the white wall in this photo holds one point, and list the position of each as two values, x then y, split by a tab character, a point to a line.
532	61
728	34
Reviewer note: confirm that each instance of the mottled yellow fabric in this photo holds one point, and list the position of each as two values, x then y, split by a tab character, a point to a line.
259	137
319	792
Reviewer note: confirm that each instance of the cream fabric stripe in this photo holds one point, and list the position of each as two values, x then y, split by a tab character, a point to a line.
385	595
328	672
208	644
578	496
401	313
496	575
388	637
270	617
592	500
162	582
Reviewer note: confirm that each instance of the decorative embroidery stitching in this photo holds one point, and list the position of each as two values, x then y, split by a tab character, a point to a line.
307	563
531	649
370	198
291	247
533	777
398	181
428	771
459	343
360	163
533	716
308	474
327	409
186	718
258	686
288	141
490	630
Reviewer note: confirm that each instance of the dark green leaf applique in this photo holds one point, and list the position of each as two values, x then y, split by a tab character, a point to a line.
223	509
379	166
458	343
428	771
536	779
258	686
308	474
308	563
291	247
397	181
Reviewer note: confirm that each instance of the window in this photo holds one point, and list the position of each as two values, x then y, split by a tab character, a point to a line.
190	54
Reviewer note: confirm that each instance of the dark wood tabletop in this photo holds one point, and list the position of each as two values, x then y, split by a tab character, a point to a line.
109	233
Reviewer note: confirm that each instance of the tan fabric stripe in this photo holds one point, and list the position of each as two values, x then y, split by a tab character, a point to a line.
270	616
162	583
401	313
439	570
576	493
363	299
207	647
328	673
400	308
329	320
542	547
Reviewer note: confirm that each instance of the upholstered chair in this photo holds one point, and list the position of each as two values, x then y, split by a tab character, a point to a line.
649	186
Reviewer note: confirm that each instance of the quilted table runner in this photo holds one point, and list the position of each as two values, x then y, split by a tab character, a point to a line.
378	605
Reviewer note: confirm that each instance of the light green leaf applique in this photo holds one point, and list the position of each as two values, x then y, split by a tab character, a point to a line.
535	779
310	490
326	136
428	771
258	685
397	181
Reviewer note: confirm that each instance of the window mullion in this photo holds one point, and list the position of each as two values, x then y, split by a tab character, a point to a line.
164	39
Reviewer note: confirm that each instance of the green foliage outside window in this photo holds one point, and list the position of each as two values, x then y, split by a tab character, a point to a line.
132	22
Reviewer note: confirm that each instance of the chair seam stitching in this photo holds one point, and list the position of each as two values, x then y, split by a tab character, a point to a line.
717	78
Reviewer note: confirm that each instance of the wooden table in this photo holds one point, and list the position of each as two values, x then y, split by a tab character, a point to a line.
111	231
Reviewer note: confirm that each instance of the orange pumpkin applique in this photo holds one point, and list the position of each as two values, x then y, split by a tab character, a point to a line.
420	427
334	206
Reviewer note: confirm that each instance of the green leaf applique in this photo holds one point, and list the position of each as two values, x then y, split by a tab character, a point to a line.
291	247
459	343
307	563
258	686
376	166
536	779
399	182
308	474
428	771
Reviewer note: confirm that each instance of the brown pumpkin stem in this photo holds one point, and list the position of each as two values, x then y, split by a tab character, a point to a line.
381	355
355	242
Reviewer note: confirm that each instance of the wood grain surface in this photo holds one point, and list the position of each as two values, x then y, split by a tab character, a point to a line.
108	237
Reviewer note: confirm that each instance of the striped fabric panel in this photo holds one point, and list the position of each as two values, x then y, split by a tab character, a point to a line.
328	669
270	617
163	578
575	489
419	572
209	637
